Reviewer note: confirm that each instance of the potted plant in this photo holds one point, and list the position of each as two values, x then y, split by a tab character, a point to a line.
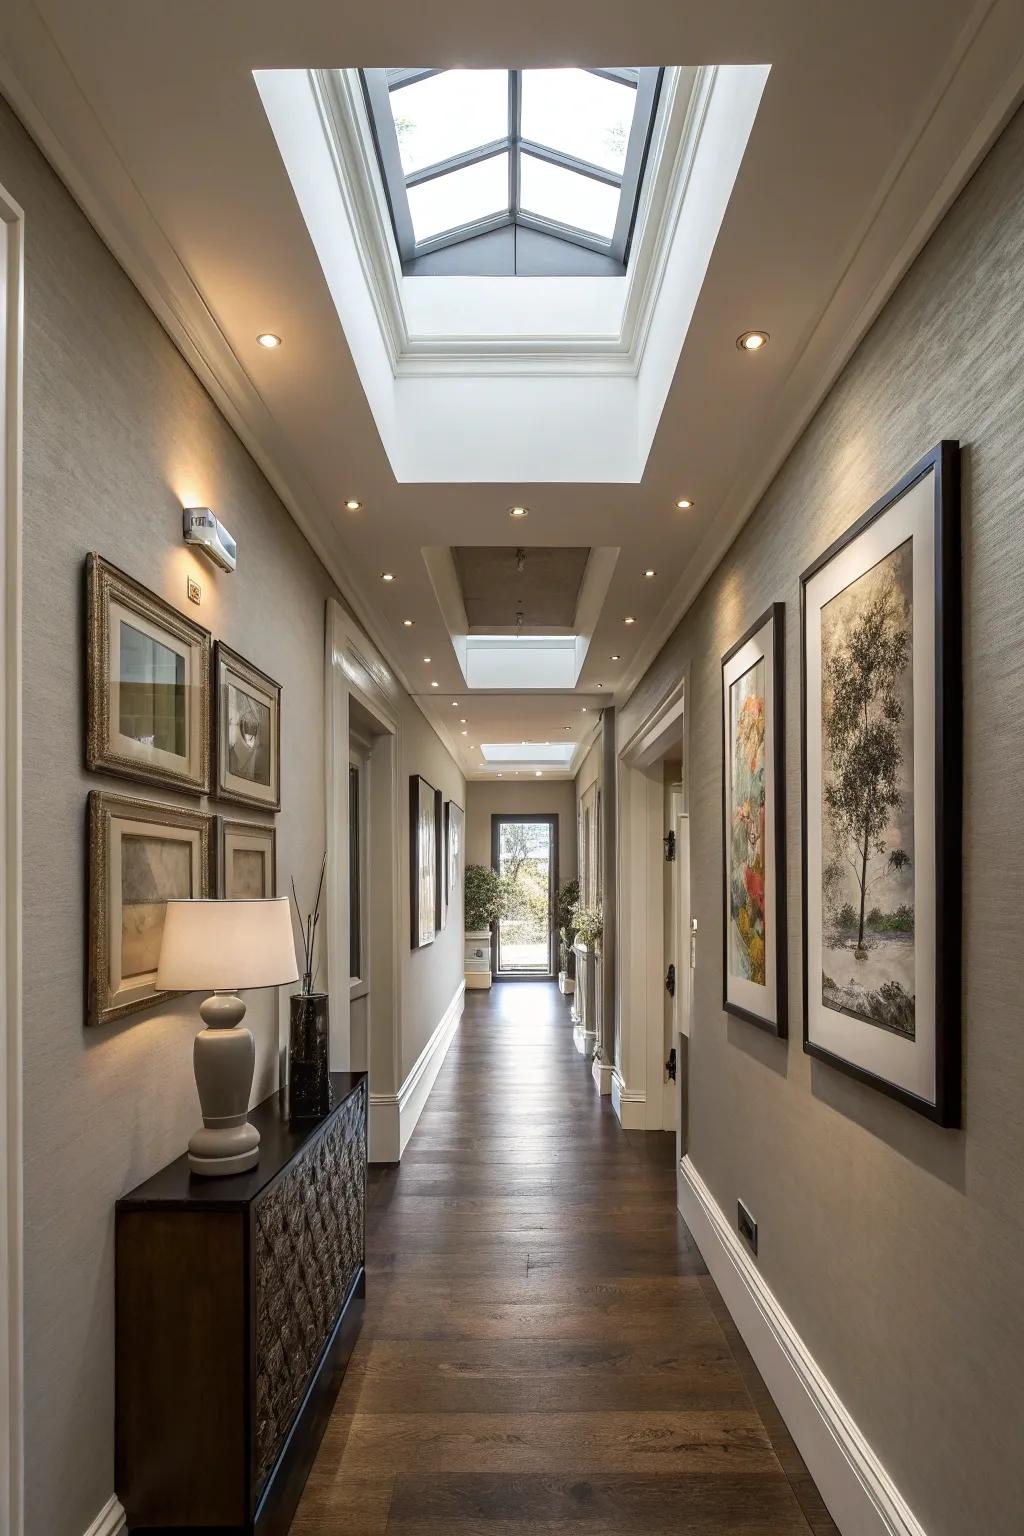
589	925
568	900
484	904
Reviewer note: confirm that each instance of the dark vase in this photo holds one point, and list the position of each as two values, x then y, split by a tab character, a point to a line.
309	1082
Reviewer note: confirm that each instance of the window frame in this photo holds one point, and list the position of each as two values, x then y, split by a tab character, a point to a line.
378	84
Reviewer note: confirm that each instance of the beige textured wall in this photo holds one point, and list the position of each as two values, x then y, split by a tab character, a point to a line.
118	433
539	797
897	1248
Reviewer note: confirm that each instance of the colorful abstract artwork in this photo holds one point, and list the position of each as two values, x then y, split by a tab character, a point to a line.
753	825
746	852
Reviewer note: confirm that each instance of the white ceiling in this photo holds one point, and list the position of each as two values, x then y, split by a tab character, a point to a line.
873	117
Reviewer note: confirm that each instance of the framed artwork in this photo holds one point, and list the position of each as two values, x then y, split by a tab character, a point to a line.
881	796
141	855
440	877
754	959
454	821
423	852
148	687
248	732
246	860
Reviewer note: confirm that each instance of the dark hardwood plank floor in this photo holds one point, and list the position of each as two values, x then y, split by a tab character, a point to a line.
544	1350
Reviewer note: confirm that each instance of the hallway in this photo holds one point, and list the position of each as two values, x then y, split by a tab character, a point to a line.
543	1349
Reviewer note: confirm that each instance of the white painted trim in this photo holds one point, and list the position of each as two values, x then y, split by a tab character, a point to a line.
583	1039
629	1104
861	1496
110	1521
602	1073
393	1116
12	228
973	100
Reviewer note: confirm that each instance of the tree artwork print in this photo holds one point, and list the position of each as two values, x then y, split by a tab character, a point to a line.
747	937
867	794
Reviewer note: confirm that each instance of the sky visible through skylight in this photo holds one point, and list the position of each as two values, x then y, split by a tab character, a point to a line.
572	112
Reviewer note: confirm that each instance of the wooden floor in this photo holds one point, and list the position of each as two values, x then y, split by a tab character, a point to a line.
543	1348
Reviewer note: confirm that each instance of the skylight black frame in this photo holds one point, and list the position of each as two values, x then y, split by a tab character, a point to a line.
378	85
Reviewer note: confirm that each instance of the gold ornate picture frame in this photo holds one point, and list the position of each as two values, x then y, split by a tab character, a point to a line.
247	732
246	860
141	855
148	688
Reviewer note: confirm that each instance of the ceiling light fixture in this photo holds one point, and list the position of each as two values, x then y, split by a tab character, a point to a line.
269	340
538	774
462	719
583	710
387	576
649	573
752	341
518	511
408	623
629	619
427	660
465	733
433	685
684	503
352	506
615	657
455	703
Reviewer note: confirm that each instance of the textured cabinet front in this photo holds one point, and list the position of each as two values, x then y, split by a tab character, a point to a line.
308	1249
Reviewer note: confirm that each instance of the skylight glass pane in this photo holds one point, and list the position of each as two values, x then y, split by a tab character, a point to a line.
448	113
551	192
579	113
460	197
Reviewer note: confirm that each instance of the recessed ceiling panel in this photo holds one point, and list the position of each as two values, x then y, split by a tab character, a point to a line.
518	587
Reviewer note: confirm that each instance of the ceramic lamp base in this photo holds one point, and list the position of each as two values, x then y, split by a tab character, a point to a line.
224	1057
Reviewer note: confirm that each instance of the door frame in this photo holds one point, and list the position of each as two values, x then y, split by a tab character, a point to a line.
551	817
12	233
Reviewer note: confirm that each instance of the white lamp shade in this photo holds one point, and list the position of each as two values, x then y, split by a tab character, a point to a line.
226	946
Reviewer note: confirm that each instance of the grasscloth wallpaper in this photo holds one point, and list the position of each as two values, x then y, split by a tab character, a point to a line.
896	1248
118	433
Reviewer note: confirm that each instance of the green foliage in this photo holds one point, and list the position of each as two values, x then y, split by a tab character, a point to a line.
568	900
589	924
485	899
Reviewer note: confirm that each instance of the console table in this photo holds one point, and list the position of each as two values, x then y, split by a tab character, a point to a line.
238	1304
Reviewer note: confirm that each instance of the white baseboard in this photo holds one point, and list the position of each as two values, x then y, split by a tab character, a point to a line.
601	1072
393	1116
629	1104
583	1039
110	1521
862	1498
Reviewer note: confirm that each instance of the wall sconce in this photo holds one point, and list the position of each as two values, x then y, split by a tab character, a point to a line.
203	529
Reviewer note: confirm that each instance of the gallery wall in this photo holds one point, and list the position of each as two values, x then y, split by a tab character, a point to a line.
896	1247
118	434
545	797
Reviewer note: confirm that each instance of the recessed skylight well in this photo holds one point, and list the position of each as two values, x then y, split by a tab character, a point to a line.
558	754
519	172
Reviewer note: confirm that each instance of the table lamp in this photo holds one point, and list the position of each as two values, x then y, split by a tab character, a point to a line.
224	947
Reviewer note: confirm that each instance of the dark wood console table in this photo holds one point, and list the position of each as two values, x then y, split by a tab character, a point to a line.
238	1304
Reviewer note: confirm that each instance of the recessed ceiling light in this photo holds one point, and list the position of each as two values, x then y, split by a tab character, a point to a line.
352	506
408	623
629	619
649	573
600	685
462	719
427	660
614	657
465	733
518	511
684	503
752	341
433	685
268	339
455	703
501	775
583	710
538	774
387	576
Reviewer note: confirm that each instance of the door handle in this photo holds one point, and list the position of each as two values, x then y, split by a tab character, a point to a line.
670	981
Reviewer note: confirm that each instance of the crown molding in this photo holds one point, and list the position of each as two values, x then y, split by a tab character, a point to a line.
972	102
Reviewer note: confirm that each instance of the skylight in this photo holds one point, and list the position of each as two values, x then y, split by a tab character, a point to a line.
512	171
556	752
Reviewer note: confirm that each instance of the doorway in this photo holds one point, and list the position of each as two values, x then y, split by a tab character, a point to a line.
524	852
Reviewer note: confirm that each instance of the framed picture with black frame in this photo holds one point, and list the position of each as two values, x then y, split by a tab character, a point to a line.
423	861
754	940
881	760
